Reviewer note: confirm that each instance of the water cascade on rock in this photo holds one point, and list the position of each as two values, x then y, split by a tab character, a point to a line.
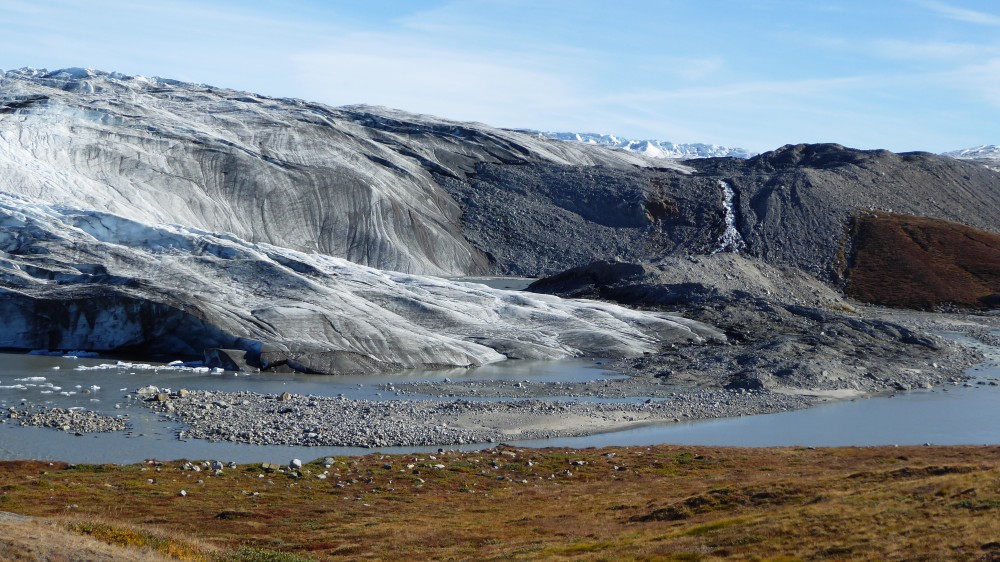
731	240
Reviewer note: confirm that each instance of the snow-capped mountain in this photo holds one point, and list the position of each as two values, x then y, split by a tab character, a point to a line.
654	148
986	151
987	155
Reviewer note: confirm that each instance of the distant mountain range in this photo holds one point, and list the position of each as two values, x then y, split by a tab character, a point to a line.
984	152
653	148
666	149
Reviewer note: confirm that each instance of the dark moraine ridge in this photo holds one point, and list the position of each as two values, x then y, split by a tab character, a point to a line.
794	205
787	330
791	207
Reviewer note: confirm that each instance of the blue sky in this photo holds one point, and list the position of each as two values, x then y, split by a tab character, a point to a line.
896	74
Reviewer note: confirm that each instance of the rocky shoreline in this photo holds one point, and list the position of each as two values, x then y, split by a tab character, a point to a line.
487	411
67	419
646	390
305	420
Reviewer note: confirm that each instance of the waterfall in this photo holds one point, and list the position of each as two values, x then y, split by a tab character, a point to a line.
730	241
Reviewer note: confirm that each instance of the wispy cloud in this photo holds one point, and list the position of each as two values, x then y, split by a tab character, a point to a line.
962	14
933	51
979	80
408	73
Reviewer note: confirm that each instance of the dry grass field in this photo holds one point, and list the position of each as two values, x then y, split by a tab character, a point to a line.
918	262
637	503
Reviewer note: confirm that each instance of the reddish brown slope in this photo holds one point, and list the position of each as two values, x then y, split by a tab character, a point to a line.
917	262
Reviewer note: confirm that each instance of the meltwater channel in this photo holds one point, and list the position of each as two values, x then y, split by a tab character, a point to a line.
956	414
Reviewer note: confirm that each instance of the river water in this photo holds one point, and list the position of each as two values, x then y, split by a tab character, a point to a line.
70	382
952	415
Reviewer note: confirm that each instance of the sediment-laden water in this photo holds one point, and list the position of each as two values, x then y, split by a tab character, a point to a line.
958	414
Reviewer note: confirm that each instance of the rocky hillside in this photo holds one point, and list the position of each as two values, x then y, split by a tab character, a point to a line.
788	330
793	206
789	207
542	219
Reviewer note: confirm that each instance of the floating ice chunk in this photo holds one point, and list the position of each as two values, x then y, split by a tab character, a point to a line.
67	393
194	367
46	392
65	354
78	354
218	371
15	387
147	391
94	387
31	379
56	368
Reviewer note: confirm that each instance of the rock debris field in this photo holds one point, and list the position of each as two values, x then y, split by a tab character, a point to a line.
66	419
261	419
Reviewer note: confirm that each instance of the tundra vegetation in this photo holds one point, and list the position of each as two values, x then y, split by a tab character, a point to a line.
636	503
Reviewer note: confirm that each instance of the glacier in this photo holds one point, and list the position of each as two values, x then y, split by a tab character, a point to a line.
147	217
357	182
82	279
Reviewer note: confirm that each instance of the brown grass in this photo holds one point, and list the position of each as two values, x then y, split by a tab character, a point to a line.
660	503
48	539
917	262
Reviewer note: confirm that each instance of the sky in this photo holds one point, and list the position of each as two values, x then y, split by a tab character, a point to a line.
757	74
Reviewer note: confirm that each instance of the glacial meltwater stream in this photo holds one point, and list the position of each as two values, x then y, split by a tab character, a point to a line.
953	415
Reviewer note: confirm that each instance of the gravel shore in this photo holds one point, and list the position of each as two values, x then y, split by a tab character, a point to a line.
73	421
458	412
678	385
262	419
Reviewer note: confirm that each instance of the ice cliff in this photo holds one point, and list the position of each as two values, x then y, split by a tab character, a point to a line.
356	182
75	278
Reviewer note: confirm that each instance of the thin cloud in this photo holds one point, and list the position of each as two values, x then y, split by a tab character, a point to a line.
933	51
379	69
962	14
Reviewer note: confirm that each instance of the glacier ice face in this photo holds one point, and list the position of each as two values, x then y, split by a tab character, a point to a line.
73	278
151	217
356	182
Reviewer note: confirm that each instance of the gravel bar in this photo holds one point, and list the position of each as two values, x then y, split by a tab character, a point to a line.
69	420
263	419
